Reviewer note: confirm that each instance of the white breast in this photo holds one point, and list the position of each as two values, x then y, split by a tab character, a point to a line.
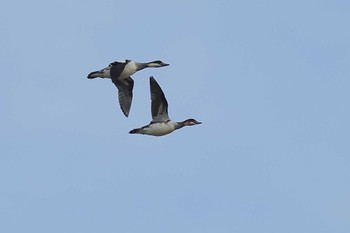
159	129
129	70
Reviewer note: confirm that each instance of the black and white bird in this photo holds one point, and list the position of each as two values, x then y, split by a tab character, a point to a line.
119	72
161	124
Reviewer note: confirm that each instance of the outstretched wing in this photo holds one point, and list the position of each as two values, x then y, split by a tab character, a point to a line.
117	68
159	106
125	88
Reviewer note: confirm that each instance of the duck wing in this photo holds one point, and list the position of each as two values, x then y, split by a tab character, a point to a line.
125	88
117	68
159	106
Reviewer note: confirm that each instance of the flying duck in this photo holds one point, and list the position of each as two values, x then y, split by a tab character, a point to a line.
119	72
161	124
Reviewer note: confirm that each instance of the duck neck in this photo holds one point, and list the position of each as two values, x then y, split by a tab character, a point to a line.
179	125
140	65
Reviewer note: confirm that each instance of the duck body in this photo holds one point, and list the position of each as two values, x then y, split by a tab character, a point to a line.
123	70
161	124
120	73
156	129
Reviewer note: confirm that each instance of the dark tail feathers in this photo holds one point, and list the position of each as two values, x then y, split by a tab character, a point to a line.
134	131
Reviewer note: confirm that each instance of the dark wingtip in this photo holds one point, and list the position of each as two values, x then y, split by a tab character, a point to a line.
125	110
152	80
126	114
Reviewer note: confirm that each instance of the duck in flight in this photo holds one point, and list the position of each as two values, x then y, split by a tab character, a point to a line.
161	124
119	72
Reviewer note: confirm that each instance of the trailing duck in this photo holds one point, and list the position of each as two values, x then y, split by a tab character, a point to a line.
119	72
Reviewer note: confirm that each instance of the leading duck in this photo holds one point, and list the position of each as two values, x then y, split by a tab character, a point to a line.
161	124
119	72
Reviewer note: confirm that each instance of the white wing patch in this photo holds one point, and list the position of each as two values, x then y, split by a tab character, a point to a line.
121	61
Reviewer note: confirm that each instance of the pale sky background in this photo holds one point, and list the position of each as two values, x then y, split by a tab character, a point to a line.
270	80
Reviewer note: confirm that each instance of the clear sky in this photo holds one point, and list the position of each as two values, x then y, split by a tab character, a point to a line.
270	80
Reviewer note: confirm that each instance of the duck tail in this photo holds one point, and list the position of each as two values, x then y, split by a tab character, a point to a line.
94	74
134	131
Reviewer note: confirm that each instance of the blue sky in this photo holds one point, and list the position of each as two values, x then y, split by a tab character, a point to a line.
268	79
